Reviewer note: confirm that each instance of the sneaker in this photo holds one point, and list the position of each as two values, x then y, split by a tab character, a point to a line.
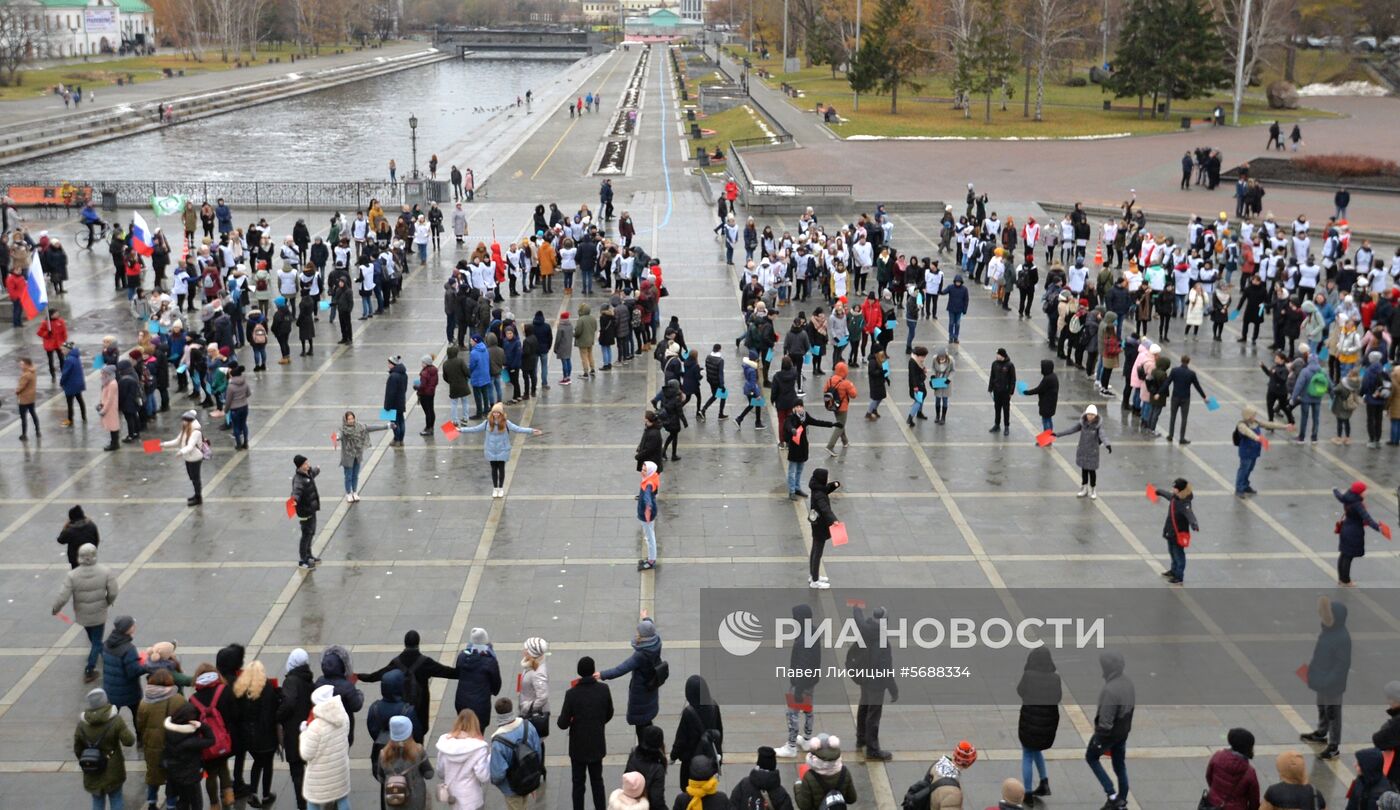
1093	493
1174	581
878	754
349	497
91	675
1184	442
1084	490
1330	752
818	585
831	452
786	752
646	565
566	381
305	564
1313	737
760	427
356	494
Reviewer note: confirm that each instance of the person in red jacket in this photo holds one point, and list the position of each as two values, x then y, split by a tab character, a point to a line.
1231	783
426	385
16	286
54	332
870	310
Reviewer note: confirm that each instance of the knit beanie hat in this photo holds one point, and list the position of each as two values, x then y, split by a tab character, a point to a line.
480	636
1392	691
76	513
586	667
964	754
536	647
1358	487
97	699
298	460
825	746
1241	742
767	758
633	785
123	624
400	728
646	628
702	768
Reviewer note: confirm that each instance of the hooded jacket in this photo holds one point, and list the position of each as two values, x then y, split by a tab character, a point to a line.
1293	791
396	388
1231	781
648	758
335	670
585	328
121	670
1331	658
157	704
478	680
1086	452
295	706
819	512
324	744
105	728
1365	791
456	374
479	365
1113	720
642	701
1041	691
750	792
464	765
839	383
182	757
1048	390
700	715
386	708
92	586
782	386
1001	379
1355	519
422	668
1300	387
1178	506
71	378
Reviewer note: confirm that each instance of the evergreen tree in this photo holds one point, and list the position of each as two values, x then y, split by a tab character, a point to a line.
1168	48
986	59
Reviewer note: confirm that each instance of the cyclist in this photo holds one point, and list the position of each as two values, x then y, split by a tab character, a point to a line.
91	219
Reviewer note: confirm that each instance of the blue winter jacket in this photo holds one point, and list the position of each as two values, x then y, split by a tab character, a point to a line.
71	377
479	365
514	352
642	703
121	670
957	299
497	446
478	681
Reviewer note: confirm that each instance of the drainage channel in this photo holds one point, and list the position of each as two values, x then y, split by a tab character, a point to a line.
615	154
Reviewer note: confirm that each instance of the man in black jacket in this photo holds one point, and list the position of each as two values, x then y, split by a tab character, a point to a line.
77	532
587	709
308	503
763	787
714	376
1001	382
649	448
806	658
419	669
793	433
874	656
1182	379
821	517
1113	722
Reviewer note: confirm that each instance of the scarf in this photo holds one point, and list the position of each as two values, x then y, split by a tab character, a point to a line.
697	791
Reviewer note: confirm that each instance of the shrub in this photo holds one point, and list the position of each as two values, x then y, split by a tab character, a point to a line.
1076	81
1346	165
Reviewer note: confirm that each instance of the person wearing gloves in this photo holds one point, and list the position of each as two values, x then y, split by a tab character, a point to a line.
1181	520
403	767
464	763
93	588
1086	452
825	773
324	745
1250	441
190	447
702	791
1326	675
478	676
1113	722
1231	783
1351	529
821	517
632	794
763	787
101	727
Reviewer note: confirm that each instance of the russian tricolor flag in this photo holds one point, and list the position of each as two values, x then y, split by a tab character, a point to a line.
36	294
142	240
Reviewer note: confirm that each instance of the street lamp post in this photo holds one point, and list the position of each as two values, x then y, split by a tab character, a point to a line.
413	134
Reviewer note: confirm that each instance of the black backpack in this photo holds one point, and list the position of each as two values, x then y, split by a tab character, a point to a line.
93	759
833	800
526	771
660	671
411	686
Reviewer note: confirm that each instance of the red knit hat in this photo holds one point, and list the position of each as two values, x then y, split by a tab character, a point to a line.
1358	487
563	316
964	755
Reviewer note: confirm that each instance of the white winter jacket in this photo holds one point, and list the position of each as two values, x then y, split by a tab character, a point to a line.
325	746
192	449
464	765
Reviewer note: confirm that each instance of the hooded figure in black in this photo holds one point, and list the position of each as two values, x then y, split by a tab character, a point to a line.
873	656
1327	675
806	657
335	670
421	668
1370	783
1048	392
648	758
701	729
1040	691
763	781
1113	722
821	517
1001	382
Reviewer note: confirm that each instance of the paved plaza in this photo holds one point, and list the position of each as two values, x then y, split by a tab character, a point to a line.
429	549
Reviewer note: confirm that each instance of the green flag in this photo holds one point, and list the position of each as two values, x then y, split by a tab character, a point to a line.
169	205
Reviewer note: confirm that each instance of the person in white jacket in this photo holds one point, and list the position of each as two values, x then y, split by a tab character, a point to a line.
325	747
463	762
189	446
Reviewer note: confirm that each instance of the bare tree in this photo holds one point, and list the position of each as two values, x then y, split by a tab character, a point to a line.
956	27
1049	25
1271	24
22	38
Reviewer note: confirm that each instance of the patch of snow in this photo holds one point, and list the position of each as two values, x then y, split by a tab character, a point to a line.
1344	89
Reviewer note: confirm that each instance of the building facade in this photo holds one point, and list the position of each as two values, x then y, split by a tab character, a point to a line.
67	28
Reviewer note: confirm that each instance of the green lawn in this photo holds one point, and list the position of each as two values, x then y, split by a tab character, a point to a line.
1068	111
145	69
733	124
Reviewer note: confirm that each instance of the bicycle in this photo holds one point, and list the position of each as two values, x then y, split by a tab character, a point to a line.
85	238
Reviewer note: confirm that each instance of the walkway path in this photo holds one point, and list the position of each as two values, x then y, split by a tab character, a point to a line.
428	549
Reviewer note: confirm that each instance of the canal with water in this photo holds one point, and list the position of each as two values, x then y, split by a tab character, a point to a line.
343	133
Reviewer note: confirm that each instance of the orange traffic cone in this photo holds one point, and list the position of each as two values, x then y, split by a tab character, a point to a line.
1098	254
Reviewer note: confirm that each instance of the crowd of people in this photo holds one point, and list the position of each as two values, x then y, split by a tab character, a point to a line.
844	291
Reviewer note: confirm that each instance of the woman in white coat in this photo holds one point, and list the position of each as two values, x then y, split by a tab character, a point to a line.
325	747
464	762
189	446
1195	309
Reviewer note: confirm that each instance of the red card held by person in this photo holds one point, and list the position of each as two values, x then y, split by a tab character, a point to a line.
335	440
1302	673
151	446
1151	493
291	507
450	431
838	534
1045	438
795	705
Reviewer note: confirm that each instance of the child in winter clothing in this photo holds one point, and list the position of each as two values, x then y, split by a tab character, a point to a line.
825	773
1345	401
631	796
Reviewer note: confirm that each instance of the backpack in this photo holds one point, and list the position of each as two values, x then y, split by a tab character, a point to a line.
411	686
259	336
710	745
831	399
1111	345
1383	390
206	452
660	671
223	744
917	796
1318	384
833	800
636	317
396	790
526	771
1075	324
93	759
260	284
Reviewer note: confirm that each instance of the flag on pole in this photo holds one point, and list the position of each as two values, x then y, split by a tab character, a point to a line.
142	239
35	297
168	205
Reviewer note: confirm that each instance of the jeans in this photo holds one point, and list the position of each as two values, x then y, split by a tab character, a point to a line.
1028	758
94	634
481	395
807	725
954	325
587	281
1242	475
112	800
649	531
352	477
1395	431
458	406
238	417
544	370
422	252
1047	423
607	356
398	425
567	364
909	338
568	279
260	352
1178	557
1119	755
1314	408
794	476
366	306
